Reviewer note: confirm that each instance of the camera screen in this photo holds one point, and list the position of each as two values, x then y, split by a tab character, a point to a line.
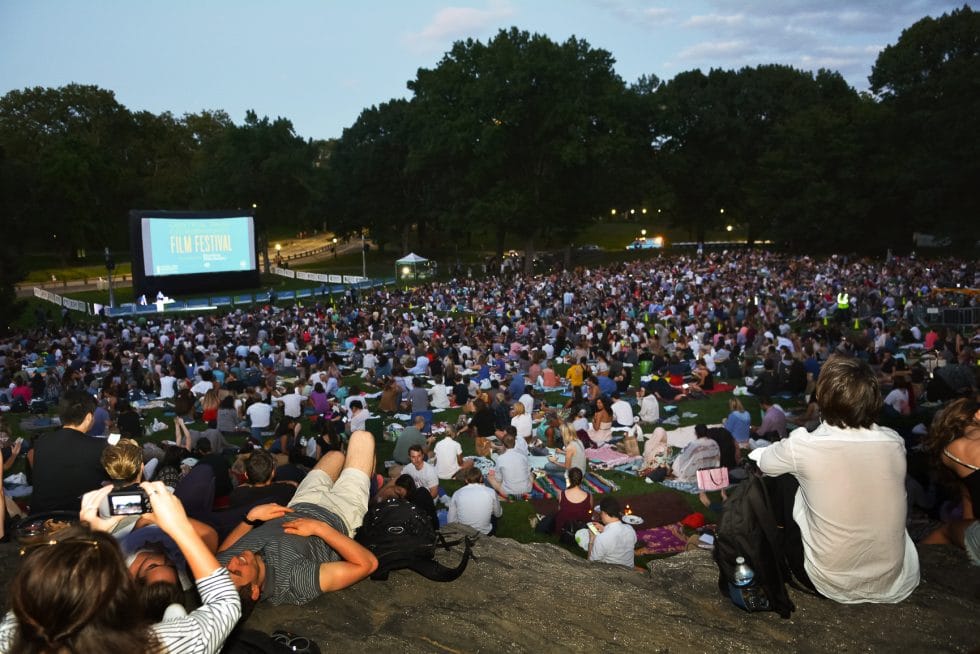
128	504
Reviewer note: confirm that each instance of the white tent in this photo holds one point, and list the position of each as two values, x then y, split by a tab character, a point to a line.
412	267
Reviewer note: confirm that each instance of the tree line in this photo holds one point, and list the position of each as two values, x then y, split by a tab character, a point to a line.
522	136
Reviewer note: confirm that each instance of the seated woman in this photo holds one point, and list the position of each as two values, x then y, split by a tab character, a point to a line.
900	401
574	509
573	450
209	405
954	441
738	422
601	430
703	378
75	593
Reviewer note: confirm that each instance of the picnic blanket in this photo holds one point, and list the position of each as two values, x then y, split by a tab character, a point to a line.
551	485
668	539
685	486
607	457
720	387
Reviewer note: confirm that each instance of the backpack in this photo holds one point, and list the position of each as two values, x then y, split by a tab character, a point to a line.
762	530
401	536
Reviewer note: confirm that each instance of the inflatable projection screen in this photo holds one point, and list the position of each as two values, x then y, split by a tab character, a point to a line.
192	251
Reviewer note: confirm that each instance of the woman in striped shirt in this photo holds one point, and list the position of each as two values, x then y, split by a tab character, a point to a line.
74	593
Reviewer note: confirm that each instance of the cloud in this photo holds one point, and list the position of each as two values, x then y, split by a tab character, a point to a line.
453	23
629	12
707	50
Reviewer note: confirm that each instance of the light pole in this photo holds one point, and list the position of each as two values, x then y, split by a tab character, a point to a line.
110	265
363	256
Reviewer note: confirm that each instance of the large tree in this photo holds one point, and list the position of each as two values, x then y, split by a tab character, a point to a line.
530	129
929	85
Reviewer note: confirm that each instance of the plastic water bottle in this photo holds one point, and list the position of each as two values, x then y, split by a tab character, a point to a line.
743	590
743	575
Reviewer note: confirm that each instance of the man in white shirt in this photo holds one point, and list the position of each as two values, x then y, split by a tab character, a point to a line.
358	417
168	384
512	474
622	412
421	471
851	504
475	505
291	401
612	541
450	463
259	417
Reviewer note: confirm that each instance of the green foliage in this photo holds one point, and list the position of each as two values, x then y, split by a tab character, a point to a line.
929	85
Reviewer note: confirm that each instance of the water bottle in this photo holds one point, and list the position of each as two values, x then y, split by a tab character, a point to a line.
743	575
743	590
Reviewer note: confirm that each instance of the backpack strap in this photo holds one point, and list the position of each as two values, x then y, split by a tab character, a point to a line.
431	569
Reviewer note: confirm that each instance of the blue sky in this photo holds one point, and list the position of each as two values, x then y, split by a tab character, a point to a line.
320	62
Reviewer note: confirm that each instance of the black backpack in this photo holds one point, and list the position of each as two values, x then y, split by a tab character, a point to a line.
762	531
401	536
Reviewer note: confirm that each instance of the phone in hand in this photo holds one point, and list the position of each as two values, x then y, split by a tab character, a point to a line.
594	528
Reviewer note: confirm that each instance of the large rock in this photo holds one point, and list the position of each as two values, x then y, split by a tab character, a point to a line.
541	598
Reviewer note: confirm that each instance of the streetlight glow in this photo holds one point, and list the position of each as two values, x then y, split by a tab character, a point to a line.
612	212
278	247
643	233
728	228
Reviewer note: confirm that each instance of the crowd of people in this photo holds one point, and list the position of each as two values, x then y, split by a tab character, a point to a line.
264	501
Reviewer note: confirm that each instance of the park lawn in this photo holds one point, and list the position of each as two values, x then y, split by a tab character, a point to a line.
514	522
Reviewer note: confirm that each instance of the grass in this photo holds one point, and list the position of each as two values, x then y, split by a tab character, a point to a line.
514	522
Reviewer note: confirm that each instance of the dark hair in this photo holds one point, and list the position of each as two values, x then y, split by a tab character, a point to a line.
228	402
77	594
473	476
356	404
610	506
74	406
949	424
848	392
156	597
406	482
259	467
574	477
416	448
701	430
203	445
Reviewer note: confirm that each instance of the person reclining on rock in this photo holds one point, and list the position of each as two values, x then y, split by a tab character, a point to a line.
293	554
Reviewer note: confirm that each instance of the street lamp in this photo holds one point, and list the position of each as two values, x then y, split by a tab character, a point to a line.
643	233
644	211
110	265
612	212
728	228
632	212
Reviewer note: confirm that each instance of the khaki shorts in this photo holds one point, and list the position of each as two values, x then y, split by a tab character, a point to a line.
347	497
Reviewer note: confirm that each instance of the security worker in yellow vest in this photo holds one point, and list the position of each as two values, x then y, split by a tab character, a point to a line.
843	313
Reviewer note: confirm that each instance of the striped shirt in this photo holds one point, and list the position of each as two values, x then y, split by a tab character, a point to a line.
292	563
202	632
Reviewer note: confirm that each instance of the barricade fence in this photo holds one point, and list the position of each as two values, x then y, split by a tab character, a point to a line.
330	285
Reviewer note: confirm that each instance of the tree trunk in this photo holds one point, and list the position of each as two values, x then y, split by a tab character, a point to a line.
529	255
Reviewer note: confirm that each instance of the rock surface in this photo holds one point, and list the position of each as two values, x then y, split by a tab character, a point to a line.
540	598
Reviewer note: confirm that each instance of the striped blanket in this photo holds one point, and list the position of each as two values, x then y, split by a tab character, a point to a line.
547	486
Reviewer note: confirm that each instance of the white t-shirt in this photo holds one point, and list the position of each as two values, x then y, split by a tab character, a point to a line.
167	386
473	505
851	509
439	395
614	545
514	472
622	413
522	424
259	414
424	478
447	453
292	404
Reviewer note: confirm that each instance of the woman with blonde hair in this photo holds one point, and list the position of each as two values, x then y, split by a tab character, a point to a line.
573	450
209	405
738	422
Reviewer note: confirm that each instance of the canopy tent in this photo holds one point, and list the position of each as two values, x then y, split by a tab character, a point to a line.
412	267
